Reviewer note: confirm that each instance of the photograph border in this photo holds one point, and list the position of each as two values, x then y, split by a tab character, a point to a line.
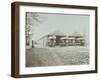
15	32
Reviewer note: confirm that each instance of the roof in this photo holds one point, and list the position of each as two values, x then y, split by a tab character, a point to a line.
76	34
52	37
56	33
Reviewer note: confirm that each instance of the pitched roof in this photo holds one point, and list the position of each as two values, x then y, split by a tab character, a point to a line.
57	33
76	34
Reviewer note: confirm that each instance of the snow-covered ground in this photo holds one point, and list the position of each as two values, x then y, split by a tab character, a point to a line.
57	56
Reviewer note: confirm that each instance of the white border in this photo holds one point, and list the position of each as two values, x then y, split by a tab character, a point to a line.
36	70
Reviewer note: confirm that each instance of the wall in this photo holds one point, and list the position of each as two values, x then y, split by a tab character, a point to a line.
5	41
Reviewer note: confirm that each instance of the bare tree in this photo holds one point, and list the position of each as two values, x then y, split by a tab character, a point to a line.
31	20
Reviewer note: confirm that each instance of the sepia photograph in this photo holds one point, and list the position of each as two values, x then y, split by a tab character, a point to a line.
54	39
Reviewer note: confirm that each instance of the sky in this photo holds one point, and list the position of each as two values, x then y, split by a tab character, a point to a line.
66	23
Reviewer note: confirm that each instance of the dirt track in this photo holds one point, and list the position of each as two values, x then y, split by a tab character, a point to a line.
56	56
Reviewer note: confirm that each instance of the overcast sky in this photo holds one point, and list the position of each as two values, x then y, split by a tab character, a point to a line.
67	24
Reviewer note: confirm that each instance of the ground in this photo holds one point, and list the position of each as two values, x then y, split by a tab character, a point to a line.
36	57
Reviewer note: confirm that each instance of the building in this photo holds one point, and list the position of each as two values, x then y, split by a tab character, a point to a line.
58	38
76	39
53	39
